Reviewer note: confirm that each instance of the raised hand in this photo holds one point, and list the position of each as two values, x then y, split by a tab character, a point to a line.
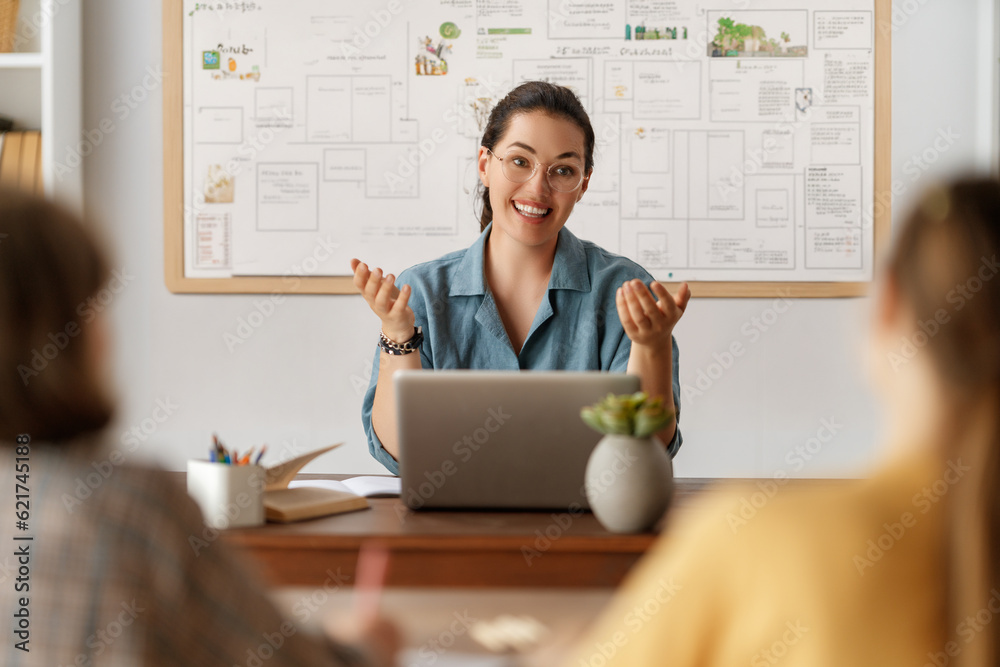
649	322
389	303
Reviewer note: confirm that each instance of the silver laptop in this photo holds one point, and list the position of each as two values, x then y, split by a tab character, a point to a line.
498	439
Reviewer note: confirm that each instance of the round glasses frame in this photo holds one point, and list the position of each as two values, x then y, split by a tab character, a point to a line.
534	169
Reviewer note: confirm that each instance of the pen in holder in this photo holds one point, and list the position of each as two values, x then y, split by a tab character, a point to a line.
230	496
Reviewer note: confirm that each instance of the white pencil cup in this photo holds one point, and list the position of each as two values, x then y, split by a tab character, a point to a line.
229	496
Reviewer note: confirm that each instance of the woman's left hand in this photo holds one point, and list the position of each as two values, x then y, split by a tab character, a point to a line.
648	322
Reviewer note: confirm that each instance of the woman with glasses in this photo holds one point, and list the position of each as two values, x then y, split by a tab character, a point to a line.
528	294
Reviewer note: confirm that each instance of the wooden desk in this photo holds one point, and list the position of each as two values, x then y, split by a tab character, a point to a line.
451	548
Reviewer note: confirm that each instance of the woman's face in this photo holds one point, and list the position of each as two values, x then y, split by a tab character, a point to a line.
533	212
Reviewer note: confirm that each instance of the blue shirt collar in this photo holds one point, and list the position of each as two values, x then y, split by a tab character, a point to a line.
569	268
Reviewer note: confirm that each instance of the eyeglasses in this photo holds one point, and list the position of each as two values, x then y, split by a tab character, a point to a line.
519	167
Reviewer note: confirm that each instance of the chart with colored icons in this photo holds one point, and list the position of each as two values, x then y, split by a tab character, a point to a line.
732	144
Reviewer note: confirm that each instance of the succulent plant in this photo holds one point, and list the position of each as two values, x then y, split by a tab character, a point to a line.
627	414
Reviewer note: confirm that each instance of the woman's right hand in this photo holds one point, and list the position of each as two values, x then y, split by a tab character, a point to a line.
389	303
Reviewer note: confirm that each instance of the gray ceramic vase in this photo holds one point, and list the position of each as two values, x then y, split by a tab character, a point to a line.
629	482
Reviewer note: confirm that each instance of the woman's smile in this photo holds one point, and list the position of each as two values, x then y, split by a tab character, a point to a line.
531	212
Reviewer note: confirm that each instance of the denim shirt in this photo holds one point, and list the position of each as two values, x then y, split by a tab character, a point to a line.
576	327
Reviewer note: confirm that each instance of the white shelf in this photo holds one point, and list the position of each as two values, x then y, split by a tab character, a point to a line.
20	60
41	88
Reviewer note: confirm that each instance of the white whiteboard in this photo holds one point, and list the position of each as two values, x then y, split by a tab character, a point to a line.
315	132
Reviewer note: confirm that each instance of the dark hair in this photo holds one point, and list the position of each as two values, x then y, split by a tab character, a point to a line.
50	387
944	266
534	96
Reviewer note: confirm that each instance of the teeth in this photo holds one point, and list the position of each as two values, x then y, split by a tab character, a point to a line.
531	210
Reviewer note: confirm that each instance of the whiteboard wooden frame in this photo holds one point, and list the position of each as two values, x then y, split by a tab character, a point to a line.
173	191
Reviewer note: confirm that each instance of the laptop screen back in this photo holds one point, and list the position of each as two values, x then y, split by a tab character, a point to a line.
498	439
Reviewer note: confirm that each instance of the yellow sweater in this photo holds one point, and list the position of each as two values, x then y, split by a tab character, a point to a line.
776	574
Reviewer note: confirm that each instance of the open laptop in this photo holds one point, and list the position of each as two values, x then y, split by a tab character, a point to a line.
498	439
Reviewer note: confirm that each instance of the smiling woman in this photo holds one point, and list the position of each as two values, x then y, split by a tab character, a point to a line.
528	294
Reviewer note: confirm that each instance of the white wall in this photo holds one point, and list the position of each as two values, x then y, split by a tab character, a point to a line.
294	381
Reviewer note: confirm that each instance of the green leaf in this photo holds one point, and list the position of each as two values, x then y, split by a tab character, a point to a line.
648	422
636	400
591	419
616	421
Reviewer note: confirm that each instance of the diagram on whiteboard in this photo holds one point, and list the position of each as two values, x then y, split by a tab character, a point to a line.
732	144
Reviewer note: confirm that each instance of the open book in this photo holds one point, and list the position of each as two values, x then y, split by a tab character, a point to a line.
369	486
284	502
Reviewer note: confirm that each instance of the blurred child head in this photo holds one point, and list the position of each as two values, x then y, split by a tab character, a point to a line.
51	341
944	270
938	322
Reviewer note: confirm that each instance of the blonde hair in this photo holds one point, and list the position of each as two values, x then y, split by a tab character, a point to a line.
945	259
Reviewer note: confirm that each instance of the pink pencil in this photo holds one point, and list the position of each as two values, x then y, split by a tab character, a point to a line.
373	564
